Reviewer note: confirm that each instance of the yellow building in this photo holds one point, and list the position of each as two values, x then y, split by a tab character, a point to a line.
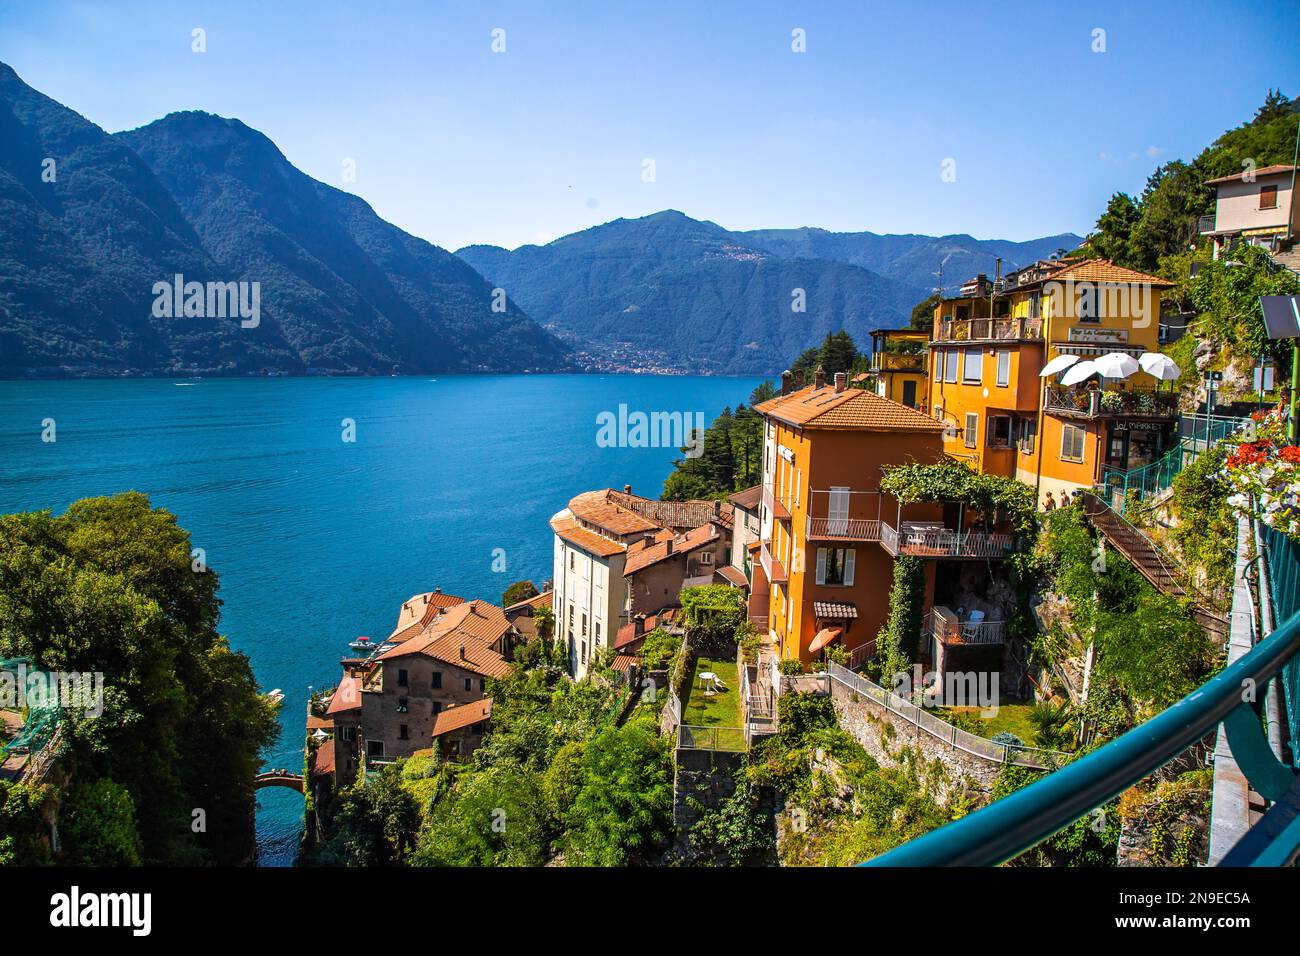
991	342
899	366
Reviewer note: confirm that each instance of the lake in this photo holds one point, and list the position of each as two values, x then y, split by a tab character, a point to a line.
318	540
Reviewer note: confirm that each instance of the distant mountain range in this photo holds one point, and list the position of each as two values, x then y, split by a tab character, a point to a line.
670	292
93	226
90	223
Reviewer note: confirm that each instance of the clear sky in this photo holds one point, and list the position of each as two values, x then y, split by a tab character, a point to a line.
459	144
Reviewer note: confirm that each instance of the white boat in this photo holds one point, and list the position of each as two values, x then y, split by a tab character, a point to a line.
361	644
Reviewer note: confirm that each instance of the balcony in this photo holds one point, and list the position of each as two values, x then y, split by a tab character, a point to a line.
1074	402
774	504
897	362
944	626
927	539
991	330
1205	225
843	529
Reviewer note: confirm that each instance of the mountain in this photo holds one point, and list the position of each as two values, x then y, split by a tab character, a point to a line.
910	259
340	290
670	292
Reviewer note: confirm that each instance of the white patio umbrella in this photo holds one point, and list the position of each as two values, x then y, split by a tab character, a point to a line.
1058	364
1116	365
1159	366
1077	373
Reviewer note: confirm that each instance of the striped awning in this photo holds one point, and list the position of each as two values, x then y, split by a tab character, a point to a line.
1072	349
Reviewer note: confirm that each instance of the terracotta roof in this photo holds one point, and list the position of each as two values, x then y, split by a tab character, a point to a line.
680	544
567	528
626	635
536	601
609	509
835	609
462	715
748	499
322	761
475	625
416	613
319	723
732	575
346	698
624	662
853	408
1105	271
1264	171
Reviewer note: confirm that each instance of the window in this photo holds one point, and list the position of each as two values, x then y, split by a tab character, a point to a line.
598	633
402	732
1004	369
838	511
999	431
469	683
374	748
349	733
1072	443
584	623
835	566
584	652
1267	197
1028	429
706	557
403	705
571	559
972	429
1035	304
972	371
437	707
482	685
435	680
1086	303
950	360
403	678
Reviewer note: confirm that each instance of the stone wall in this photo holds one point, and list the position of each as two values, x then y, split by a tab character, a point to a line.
706	776
884	735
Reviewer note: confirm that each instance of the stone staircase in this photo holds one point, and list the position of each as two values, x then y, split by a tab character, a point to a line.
1151	562
1289	259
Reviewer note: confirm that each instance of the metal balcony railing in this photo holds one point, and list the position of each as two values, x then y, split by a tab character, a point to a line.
928	541
1008	827
948	630
844	529
1205	224
1076	402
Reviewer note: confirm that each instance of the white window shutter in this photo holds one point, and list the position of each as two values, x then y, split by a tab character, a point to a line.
821	565
849	556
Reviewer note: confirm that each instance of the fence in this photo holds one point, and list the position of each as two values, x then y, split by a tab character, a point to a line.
1282	557
940	729
692	737
1119	488
928	542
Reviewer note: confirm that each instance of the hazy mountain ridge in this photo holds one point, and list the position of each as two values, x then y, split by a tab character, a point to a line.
341	290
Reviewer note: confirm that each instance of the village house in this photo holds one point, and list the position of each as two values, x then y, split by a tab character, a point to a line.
618	554
825	558
1256	207
1002	417
523	614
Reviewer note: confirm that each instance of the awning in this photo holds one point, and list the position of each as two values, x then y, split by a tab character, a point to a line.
824	637
835	610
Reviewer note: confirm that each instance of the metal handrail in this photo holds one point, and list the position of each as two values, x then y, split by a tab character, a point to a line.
1008	827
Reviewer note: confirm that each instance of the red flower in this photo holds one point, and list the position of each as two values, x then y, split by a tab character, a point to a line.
1290	454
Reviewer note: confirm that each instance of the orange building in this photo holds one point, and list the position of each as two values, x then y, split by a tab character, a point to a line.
993	339
823	567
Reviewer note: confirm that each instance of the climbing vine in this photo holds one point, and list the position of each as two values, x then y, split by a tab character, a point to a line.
906	603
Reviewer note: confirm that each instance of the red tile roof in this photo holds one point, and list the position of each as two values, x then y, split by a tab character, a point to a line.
624	662
1264	171
347	697
476	626
852	408
536	601
748	499
572	533
462	715
1106	272
733	575
416	613
322	761
643	557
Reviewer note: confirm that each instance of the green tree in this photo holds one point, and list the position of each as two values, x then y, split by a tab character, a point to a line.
1113	235
519	591
763	391
624	807
923	313
495	818
1226	292
97	826
111	586
837	354
373	823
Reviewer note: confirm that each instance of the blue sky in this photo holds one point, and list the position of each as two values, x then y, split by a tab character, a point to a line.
458	144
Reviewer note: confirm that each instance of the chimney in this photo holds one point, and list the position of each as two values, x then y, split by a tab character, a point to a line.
787	382
841	381
819	378
669	543
437	590
462	650
627	489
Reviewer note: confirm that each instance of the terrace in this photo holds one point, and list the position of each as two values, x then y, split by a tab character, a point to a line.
990	330
711	712
930	539
1078	402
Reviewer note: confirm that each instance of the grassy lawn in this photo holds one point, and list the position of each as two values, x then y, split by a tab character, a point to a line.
1011	718
717	710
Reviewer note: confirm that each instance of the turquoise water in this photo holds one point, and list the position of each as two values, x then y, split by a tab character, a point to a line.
318	540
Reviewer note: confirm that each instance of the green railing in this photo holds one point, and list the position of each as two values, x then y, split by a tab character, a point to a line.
1119	488
1008	827
1282	555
